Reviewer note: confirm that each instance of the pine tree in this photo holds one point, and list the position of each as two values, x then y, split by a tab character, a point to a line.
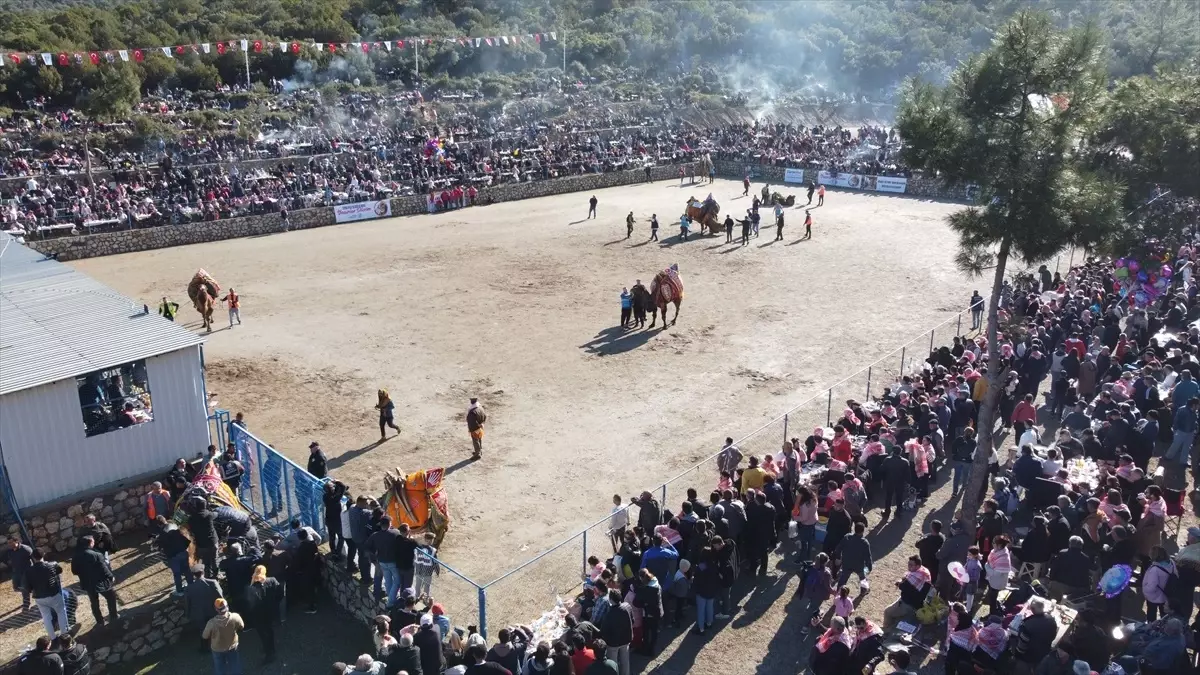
1011	122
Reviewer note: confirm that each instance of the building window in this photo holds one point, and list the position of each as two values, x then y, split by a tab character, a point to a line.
115	398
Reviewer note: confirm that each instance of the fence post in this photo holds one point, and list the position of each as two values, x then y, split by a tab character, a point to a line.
958	331
868	396
903	353
931	332
262	479
663	499
585	567
785	423
829	408
482	611
287	492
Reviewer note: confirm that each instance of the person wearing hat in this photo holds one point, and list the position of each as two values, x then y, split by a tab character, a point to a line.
476	417
262	607
222	633
318	464
367	665
428	641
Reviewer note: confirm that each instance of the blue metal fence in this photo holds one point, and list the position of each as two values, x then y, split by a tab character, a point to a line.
274	487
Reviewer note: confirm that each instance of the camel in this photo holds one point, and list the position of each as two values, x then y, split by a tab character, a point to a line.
204	291
205	304
696	213
667	288
417	500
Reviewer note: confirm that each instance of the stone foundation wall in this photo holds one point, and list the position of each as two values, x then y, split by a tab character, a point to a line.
53	530
111	243
143	630
347	593
128	241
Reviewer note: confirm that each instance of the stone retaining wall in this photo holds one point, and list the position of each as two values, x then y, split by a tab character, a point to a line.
142	630
53	530
348	593
111	243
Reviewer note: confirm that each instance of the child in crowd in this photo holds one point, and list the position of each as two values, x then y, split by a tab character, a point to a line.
974	571
843	606
617	522
425	566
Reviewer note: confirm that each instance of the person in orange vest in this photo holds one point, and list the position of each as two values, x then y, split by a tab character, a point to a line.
235	307
821	196
157	503
807	224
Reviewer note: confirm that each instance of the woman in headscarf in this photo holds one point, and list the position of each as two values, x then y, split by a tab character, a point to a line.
263	596
962	637
387	411
992	641
832	651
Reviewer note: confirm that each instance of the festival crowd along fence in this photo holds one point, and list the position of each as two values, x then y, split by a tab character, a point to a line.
533	587
278	490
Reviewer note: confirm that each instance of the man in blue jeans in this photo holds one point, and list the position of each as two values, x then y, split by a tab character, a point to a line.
384	545
1184	428
174	546
963	454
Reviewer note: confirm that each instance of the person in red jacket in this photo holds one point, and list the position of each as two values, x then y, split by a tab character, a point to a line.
1025	411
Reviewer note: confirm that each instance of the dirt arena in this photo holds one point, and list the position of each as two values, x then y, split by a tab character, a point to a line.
518	303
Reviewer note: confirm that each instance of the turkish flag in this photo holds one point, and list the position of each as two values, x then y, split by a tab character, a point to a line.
180	50
220	47
258	45
366	47
95	58
332	47
63	59
400	44
138	55
295	47
537	37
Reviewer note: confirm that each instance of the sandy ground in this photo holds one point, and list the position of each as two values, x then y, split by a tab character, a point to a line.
518	303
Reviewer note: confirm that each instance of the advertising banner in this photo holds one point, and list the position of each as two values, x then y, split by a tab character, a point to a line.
890	184
793	175
348	213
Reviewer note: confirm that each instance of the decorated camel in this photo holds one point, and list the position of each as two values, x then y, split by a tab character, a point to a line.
705	213
204	291
417	500
666	288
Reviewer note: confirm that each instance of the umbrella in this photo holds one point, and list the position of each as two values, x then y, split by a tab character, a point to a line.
959	572
1115	580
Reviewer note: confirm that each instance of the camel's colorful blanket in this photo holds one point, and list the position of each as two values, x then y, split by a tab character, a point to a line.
208	485
417	499
667	286
203	277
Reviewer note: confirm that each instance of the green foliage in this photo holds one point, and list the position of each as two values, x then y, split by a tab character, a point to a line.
1150	132
1012	121
866	47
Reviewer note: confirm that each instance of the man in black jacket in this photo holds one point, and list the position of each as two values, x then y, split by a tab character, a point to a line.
896	470
855	552
1070	569
263	597
46	589
404	657
19	557
99	533
760	530
304	573
75	657
174	547
40	660
202	527
384	546
1035	635
95	577
429	642
617	631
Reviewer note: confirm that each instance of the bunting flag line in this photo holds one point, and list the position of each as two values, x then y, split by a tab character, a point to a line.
64	59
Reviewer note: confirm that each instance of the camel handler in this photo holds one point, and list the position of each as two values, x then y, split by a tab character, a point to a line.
476	416
168	309
235	307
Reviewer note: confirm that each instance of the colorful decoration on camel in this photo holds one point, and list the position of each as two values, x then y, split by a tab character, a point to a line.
417	500
1144	275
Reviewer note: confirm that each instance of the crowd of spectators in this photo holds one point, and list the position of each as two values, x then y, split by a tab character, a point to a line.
364	146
